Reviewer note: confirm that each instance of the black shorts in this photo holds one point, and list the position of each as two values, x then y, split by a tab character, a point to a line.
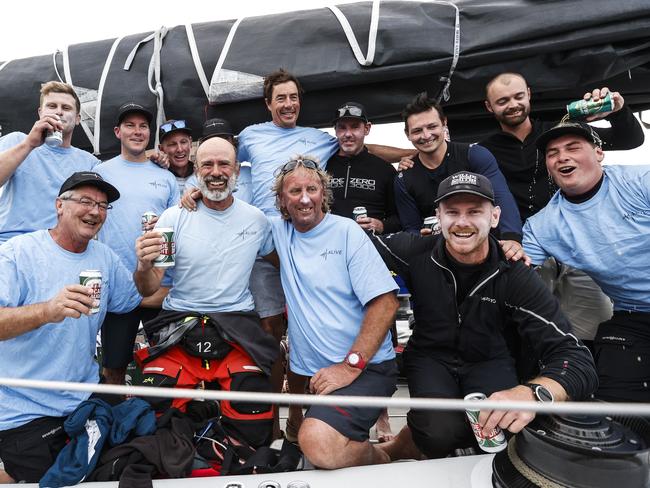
28	451
118	335
355	422
622	356
438	433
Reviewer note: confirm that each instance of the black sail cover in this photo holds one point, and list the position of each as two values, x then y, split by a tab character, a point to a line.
450	49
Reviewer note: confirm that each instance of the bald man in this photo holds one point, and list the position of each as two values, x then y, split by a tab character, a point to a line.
216	247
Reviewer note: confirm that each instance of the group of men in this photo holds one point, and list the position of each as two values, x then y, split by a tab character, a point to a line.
271	232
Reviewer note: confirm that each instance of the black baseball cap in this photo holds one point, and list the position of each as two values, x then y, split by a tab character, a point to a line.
465	182
171	126
216	128
352	110
131	107
568	127
89	178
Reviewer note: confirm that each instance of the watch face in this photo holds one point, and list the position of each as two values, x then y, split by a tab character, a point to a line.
542	394
353	359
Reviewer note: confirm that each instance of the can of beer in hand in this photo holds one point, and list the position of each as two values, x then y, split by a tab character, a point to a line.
92	278
54	138
432	223
146	220
496	440
167	248
582	108
359	212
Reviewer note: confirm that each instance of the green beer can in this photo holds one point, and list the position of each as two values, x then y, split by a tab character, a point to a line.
167	249
582	108
496	440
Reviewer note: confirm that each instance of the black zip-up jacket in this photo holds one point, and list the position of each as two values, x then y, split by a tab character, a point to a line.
525	167
508	312
364	180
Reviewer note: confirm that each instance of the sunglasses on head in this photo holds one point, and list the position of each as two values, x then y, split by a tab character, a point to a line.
291	165
173	125
350	111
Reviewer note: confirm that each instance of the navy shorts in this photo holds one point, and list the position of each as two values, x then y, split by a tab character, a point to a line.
28	451
355	422
118	335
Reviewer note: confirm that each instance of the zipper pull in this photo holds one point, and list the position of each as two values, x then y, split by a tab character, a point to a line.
459	319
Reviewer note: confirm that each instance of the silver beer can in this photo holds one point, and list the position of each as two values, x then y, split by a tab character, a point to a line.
54	138
147	219
432	223
92	278
359	212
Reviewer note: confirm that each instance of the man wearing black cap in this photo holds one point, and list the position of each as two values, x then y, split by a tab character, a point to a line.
358	177
484	324
47	325
218	128
144	187
599	222
175	138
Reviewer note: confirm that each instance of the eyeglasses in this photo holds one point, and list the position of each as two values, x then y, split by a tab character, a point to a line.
351	111
291	165
173	125
90	203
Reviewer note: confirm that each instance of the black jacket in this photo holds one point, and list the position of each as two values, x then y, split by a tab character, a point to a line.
525	168
364	180
507	311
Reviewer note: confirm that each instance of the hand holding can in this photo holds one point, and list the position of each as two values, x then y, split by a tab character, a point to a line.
92	278
496	440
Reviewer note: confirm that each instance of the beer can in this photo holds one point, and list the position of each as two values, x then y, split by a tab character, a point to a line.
432	223
92	278
359	212
167	249
147	218
582	108
54	138
496	440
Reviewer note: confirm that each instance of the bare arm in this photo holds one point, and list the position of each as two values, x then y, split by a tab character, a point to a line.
273	258
377	321
147	278
390	154
71	301
14	156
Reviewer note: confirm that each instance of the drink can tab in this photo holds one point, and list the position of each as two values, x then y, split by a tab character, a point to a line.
496	440
167	256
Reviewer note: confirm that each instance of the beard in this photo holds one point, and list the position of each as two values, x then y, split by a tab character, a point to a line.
514	122
217	195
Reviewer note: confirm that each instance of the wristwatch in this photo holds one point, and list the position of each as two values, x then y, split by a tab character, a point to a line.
355	359
541	393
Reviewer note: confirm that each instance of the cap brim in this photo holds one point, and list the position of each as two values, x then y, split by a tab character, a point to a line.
112	193
148	115
456	192
543	140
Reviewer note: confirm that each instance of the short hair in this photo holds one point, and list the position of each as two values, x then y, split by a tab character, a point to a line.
58	87
503	77
323	176
421	103
276	78
66	194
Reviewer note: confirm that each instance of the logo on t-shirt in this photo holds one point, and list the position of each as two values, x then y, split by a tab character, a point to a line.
246	232
330	252
158	184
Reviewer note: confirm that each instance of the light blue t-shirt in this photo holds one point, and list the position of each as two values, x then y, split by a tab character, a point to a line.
27	199
607	237
215	252
329	274
243	190
268	147
143	187
33	268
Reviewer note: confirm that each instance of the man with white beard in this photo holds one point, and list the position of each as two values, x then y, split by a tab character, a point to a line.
216	247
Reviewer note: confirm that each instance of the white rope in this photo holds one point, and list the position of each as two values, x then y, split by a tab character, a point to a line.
197	60
56	68
589	408
445	94
68	79
224	52
100	94
5	64
352	39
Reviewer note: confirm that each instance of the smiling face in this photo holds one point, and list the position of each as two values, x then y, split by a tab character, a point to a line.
62	105
466	220
78	222
508	98
574	164
302	198
133	133
351	133
426	131
177	146
284	104
217	171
